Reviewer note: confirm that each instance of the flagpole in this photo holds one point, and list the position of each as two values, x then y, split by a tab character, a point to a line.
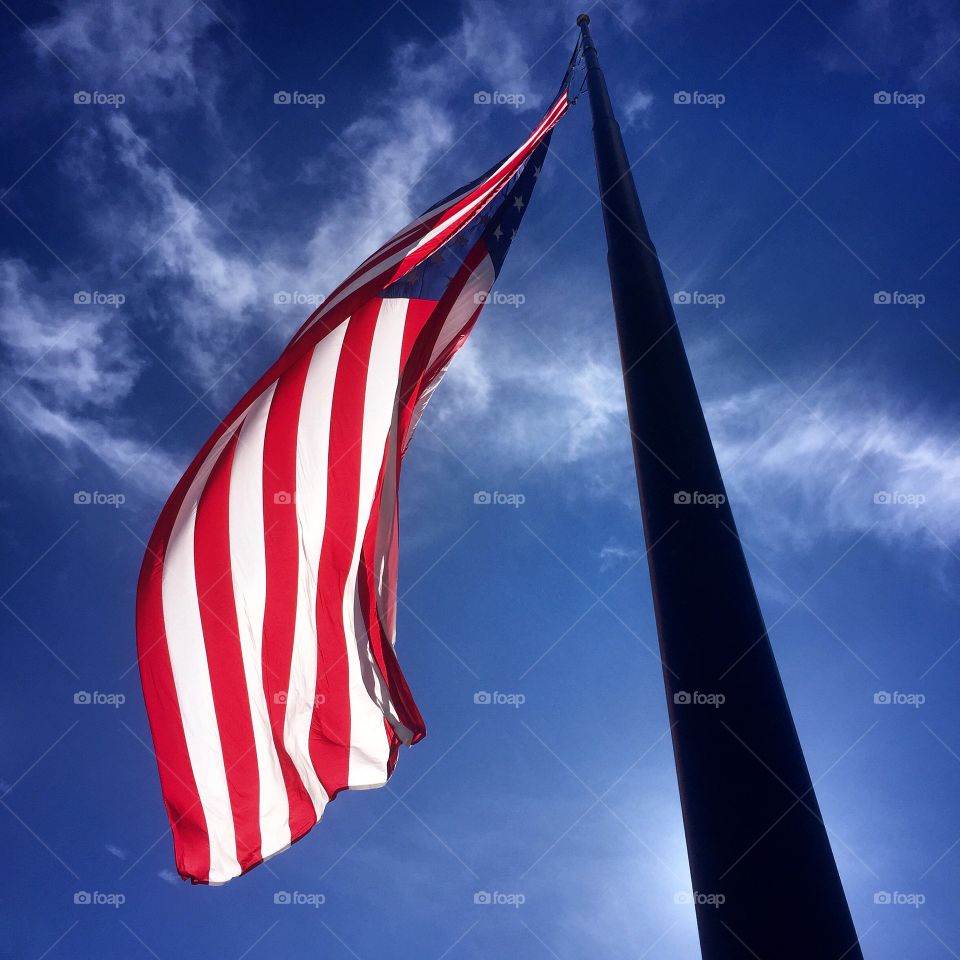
765	882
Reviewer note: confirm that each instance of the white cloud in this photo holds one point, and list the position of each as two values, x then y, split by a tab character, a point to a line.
498	55
614	555
67	367
119	47
795	472
526	407
198	279
886	35
75	352
816	467
636	107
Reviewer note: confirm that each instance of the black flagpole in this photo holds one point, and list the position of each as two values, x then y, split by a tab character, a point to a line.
765	881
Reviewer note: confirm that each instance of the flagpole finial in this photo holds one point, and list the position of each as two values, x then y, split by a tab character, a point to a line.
583	20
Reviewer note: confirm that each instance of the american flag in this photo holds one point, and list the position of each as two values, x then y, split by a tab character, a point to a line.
266	616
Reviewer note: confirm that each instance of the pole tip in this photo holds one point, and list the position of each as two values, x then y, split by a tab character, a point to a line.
583	20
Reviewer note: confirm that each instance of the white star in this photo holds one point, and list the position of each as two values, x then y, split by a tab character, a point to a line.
498	233
518	202
536	172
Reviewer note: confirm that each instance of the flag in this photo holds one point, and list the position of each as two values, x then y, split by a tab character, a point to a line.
266	606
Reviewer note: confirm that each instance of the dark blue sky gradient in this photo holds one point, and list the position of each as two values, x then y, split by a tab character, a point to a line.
800	202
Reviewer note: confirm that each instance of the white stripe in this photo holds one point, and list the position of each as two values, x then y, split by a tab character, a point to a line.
369	747
191	675
475	290
479	282
386	576
248	566
313	446
355	284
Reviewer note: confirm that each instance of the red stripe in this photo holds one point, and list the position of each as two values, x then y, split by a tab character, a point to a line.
330	730
221	638
282	553
191	842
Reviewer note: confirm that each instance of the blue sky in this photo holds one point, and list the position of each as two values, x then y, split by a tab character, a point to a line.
810	234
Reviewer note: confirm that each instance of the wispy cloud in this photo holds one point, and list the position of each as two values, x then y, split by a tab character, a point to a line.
841	460
116	46
527	405
189	269
847	458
